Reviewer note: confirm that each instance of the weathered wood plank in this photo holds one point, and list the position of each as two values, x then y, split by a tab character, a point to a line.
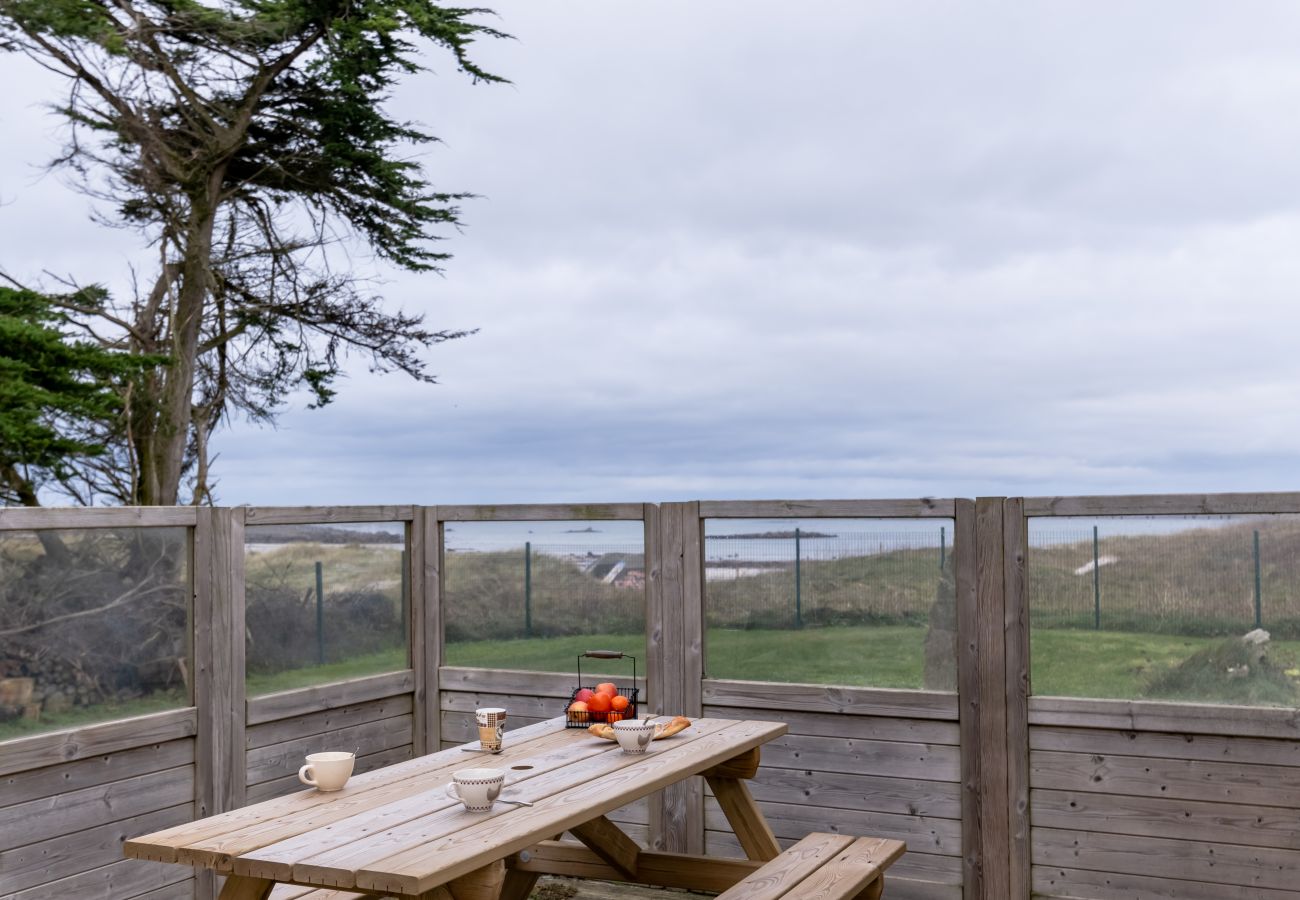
1262	751
47	518
219	659
377	788
746	819
599	791
19	787
676	818
1231	823
1156	857
287	704
692	790
779	876
325	515
928	835
1185	779
50	817
830	699
181	890
1082	884
903	796
663	869
881	728
25	754
541	512
127	878
925	507
965	572
424	644
852	756
326	722
519	682
915	865
613	846
1176	718
464	703
1015	629
1163	505
276	760
44	861
994	826
369	762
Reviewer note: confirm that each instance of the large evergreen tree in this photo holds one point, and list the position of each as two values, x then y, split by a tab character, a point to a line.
61	399
245	139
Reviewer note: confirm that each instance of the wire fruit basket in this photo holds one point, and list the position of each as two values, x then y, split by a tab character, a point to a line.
581	718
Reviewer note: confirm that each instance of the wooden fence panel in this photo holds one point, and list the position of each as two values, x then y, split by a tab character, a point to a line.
62	825
895	775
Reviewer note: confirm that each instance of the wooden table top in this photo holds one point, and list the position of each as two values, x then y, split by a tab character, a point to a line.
395	830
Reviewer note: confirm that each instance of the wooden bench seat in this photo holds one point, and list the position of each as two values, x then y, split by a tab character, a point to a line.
295	892
824	866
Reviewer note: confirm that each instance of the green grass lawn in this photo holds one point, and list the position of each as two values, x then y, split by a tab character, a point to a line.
1066	663
393	660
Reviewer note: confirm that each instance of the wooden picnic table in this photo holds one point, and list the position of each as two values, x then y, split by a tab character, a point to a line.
395	832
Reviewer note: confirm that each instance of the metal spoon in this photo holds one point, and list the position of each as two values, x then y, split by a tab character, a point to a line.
515	802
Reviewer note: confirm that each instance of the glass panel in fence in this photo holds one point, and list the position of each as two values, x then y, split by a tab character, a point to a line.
1199	609
868	602
324	603
93	626
535	595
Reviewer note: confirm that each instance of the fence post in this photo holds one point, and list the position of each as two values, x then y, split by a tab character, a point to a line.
320	615
798	584
528	589
1259	594
1096	582
217	577
943	547
426	626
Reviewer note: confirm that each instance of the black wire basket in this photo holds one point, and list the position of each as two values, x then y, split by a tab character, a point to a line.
581	719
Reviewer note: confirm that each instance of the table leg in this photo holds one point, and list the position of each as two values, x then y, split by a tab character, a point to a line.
874	890
518	885
755	835
244	887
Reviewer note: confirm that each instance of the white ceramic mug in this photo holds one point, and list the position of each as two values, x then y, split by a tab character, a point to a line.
327	771
491	725
476	788
634	736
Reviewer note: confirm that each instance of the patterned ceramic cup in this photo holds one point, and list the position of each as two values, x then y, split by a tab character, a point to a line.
476	788
327	771
634	736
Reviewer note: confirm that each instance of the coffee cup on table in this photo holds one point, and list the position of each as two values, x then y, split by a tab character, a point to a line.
327	771
634	736
491	727
476	788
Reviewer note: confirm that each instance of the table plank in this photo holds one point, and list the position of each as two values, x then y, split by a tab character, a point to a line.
421	867
276	858
389	782
338	866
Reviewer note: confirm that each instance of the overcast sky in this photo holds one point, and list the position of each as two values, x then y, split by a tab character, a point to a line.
821	249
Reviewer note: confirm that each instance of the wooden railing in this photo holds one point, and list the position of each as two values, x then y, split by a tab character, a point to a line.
983	784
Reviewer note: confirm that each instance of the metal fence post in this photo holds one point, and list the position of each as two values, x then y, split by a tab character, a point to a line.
528	588
798	584
1259	593
1096	582
320	616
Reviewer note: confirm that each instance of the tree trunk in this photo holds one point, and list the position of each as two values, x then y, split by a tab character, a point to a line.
165	432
